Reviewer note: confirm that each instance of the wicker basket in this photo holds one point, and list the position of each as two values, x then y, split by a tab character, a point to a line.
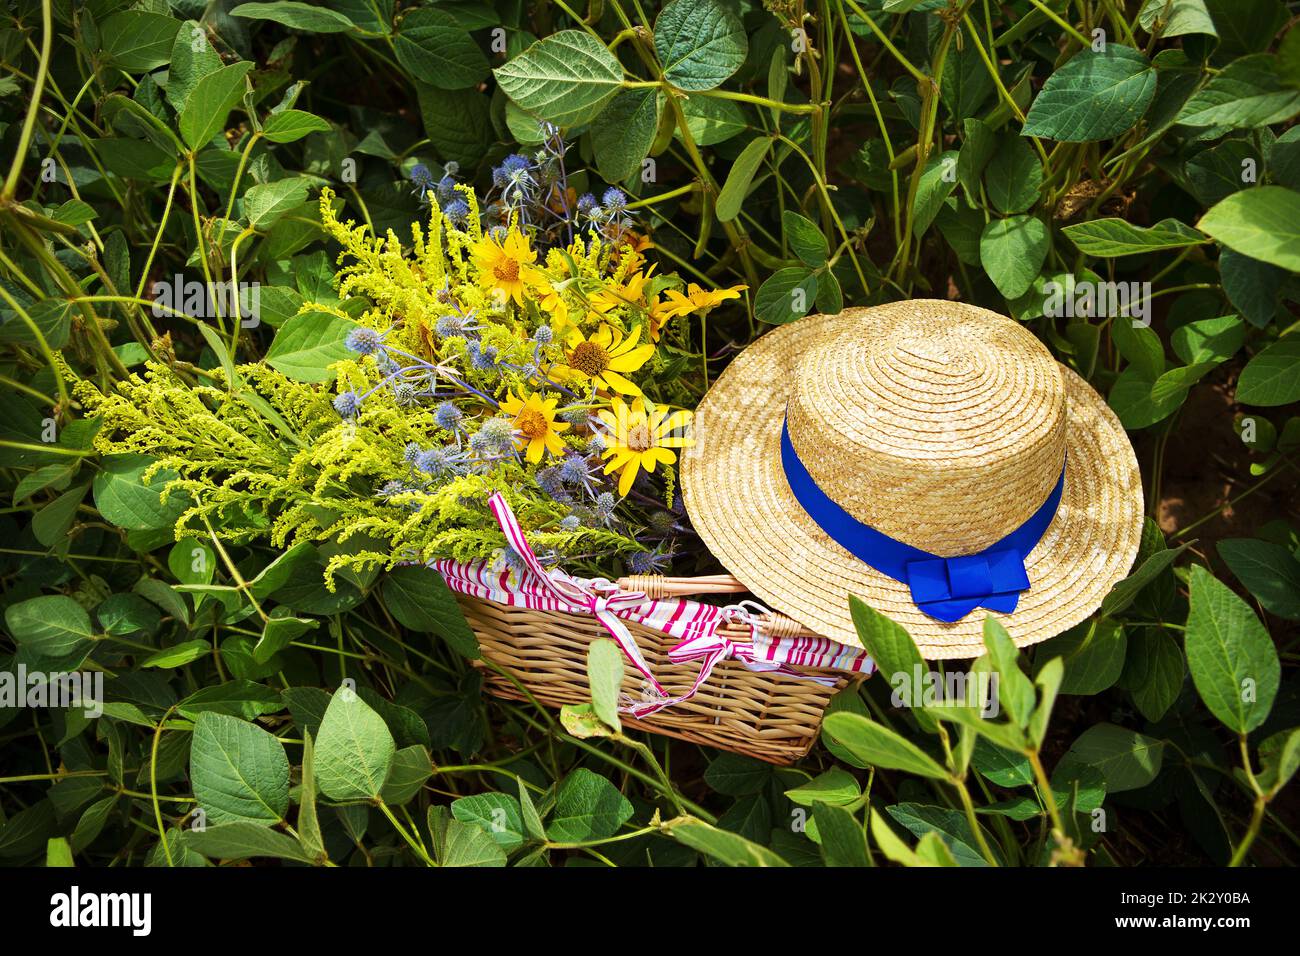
772	717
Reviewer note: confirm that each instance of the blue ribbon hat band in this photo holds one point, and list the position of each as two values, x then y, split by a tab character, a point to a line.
945	588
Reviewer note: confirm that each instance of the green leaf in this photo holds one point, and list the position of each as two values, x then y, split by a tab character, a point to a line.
948	825
137	41
1177	17
1153	672
1126	759
291	125
736	188
412	766
241	698
711	121
1013	176
937	182
1247	93
836	786
280	629
737	775
727	848
298	16
566	78
699	43
50	525
51	626
419	599
605	676
870	744
1251	286
1093	96
354	749
587	807
308	344
1209	340
1280	758
1003	767
1260	223
786	295
622	134
496	814
806	239
1233	660
1012	252
210	102
267	202
437	50
1134	399
843	840
1140	347
1015	691
125	500
1126	591
457	122
1272	377
1108	238
896	851
192	58
243	841
1093	653
309	832
467	845
239	771
1269	571
178	655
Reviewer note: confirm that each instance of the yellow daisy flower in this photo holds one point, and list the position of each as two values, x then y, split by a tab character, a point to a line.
551	301
505	266
606	355
641	436
697	299
535	422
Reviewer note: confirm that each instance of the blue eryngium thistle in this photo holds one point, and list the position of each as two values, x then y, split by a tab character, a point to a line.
586	203
483	357
364	340
448	416
496	436
454	325
439	462
649	562
570	522
576	470
605	507
613	200
543	335
422	178
348	404
456	212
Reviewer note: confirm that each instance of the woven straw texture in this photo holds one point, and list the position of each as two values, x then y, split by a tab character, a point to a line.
944	426
763	715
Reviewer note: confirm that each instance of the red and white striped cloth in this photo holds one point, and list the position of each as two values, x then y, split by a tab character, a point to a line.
696	625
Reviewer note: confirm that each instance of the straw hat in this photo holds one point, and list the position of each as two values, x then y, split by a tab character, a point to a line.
915	432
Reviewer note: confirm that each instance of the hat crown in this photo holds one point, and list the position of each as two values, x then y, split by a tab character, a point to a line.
938	424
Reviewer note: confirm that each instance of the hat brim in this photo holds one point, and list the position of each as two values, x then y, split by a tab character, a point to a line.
742	507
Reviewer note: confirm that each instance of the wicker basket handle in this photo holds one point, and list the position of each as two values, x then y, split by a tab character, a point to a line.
657	586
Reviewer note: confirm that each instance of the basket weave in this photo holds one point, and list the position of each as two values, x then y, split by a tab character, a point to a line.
771	717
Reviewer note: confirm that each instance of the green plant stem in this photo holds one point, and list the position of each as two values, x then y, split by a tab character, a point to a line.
420	851
33	106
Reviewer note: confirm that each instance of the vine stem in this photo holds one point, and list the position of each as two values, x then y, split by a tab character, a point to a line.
29	121
420	851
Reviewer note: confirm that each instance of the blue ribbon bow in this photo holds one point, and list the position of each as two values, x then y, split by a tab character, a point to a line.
944	588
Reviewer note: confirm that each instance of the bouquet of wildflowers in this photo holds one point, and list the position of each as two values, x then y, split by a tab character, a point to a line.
515	345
